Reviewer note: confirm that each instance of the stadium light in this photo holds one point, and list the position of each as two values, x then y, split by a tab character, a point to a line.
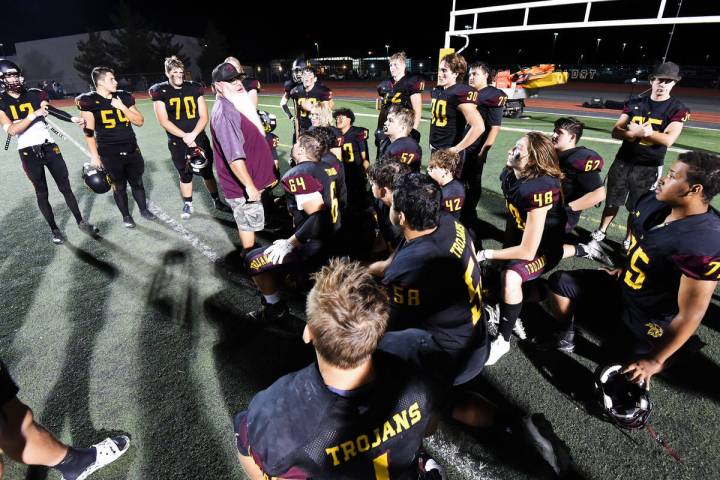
280	68
555	35
387	50
421	64
318	49
622	51
372	65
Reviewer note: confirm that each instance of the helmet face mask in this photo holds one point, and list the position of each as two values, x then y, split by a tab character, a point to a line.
297	68
11	77
196	159
623	402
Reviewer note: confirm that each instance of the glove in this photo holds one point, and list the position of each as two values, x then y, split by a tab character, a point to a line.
278	250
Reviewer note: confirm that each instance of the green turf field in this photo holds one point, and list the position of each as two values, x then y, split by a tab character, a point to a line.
142	332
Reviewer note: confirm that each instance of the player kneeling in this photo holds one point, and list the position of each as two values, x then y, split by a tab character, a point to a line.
535	227
356	412
312	203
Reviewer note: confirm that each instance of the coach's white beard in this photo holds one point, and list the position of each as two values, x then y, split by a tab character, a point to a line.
241	101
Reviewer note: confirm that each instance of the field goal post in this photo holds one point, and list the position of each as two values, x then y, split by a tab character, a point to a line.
659	19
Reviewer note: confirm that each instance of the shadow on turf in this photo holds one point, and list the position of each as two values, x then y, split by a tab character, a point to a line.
169	396
67	404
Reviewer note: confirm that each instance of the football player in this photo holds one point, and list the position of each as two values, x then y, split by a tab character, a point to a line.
26	441
442	168
453	107
672	268
22	114
490	104
311	203
356	412
333	168
433	281
396	140
181	110
382	176
295	80
250	84
648	126
534	229
582	187
308	94
109	114
402	90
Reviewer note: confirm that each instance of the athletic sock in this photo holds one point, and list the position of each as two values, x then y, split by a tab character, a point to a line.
72	204
509	314
76	461
272	298
187	199
121	201
138	194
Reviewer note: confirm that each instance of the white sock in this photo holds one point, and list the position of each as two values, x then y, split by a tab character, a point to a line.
272	298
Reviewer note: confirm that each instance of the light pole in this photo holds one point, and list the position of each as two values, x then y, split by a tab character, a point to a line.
555	35
581	58
387	50
622	51
317	47
597	48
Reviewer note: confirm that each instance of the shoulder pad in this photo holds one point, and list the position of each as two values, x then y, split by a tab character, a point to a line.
586	160
87	102
465	93
384	87
155	92
199	88
301	182
126	97
41	94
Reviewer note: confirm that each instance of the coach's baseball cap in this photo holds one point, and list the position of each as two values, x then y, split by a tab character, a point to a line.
667	70
225	72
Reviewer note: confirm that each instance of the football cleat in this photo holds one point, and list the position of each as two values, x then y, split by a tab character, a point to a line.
148	215
88	228
187	211
269	313
57	237
128	222
598	235
498	348
106	452
562	340
594	251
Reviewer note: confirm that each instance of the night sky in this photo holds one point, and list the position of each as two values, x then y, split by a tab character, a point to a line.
257	33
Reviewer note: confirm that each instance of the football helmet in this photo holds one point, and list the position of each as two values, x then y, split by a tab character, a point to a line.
11	76
299	64
625	403
268	120
196	159
95	178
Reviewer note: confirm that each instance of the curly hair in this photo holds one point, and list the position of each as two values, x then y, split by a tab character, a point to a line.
703	169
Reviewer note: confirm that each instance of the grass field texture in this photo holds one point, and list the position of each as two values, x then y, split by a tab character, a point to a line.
141	332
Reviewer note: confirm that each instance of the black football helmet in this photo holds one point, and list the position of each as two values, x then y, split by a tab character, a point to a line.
299	64
268	120
623	402
96	179
11	76
196	159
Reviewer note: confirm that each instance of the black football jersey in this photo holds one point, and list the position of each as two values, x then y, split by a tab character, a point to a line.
250	83
300	428
273	142
306	178
447	125
111	126
289	85
434	283
353	144
318	93
336	172
392	234
660	115
406	150
490	103
181	104
526	194
453	198
660	253
19	108
398	93
581	167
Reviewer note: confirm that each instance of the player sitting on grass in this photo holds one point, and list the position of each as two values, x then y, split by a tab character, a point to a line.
26	441
656	302
311	203
534	228
382	175
442	167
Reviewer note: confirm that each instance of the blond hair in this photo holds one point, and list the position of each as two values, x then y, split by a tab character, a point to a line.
173	62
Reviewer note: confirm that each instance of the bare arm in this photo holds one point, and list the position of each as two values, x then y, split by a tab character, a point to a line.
532	235
668	137
239	168
620	129
490	140
16	128
378	269
588	200
252	471
693	299
475	121
416	101
90	140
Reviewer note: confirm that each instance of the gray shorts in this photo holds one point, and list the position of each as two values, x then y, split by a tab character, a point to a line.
249	216
627	182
